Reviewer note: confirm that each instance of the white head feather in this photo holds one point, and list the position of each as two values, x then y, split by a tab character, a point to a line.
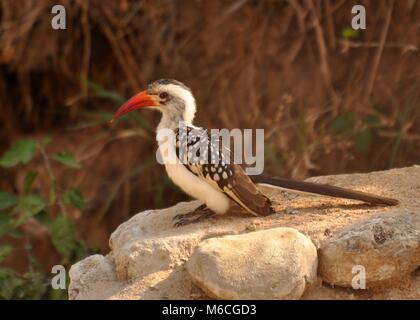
187	97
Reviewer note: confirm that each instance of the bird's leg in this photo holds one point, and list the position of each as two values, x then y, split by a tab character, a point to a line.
199	214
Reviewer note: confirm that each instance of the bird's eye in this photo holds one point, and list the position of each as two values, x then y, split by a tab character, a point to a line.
163	95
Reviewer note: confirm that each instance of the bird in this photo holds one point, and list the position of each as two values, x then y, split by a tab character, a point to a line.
209	176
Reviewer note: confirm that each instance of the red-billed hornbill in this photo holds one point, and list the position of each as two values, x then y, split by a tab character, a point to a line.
215	182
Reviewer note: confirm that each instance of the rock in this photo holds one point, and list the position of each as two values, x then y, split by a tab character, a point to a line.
139	250
386	246
93	273
291	210
148	255
278	263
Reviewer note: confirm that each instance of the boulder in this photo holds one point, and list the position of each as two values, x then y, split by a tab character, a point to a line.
279	263
385	247
95	273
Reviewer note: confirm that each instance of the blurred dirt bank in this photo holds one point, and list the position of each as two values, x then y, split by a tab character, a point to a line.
331	100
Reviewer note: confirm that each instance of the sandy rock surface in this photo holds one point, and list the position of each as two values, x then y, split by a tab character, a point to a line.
148	255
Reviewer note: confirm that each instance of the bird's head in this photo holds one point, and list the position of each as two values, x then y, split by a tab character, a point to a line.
171	97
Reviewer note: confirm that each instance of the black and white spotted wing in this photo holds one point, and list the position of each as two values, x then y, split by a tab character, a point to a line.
205	156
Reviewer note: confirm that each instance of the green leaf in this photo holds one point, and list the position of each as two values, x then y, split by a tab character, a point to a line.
81	251
34	286
29	179
9	283
63	236
343	124
371	120
6	224
7	200
101	92
16	233
363	140
44	218
20	152
29	286
349	33
67	159
52	195
46	141
31	204
5	251
75	198
58	294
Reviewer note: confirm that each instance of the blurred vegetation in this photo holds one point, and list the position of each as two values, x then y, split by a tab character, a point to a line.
48	211
331	100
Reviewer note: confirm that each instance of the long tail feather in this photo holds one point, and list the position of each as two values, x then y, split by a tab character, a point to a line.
323	189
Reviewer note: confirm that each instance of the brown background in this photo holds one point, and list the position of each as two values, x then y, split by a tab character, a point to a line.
328	104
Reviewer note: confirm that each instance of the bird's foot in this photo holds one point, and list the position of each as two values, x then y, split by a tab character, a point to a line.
189	214
199	214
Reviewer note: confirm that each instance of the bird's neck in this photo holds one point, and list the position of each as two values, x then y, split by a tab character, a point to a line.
172	121
165	136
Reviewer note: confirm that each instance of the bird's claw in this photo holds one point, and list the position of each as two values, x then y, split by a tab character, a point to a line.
196	211
182	216
192	217
182	222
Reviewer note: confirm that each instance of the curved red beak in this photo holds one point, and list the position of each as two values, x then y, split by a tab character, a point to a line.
140	100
